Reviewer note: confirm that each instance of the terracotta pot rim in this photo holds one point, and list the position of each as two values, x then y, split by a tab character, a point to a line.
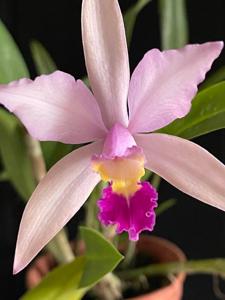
177	282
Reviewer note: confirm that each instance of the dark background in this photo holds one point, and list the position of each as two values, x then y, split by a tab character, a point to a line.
197	228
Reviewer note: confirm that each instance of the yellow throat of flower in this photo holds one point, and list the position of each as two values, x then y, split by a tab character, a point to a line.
124	173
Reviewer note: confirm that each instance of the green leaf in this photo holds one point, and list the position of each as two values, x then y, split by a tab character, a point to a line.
14	154
86	81
4	176
54	151
205	266
71	281
174	25
131	16
12	143
101	256
43	62
207	114
60	284
12	65
214	78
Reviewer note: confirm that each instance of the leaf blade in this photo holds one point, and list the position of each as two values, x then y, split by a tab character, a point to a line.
12	64
42	59
216	77
60	284
71	281
131	16
12	136
15	155
207	114
97	265
54	151
174	24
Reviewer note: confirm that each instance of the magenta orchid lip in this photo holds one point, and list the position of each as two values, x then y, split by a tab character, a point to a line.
57	107
133	214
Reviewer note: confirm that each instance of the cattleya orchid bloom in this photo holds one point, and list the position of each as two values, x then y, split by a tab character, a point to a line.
56	107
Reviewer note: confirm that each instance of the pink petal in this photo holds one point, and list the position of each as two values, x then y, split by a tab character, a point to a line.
187	166
164	83
55	107
56	199
106	57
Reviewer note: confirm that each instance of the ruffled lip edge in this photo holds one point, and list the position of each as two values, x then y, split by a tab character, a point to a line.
133	234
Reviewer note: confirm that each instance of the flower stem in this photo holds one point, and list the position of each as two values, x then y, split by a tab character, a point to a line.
130	253
205	266
156	181
147	175
164	206
59	246
109	288
91	209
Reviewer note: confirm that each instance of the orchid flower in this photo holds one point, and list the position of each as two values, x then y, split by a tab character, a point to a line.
56	107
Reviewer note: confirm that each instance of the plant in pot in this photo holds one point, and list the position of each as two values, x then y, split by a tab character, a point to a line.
113	147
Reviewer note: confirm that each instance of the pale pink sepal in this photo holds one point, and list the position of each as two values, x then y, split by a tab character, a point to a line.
55	107
106	58
187	166
56	199
164	83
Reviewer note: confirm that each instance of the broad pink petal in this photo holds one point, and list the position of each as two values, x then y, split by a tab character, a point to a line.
56	199
187	166
164	83
55	107
106	57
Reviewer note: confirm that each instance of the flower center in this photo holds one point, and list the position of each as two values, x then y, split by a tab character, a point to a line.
121	162
123	172
126	202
